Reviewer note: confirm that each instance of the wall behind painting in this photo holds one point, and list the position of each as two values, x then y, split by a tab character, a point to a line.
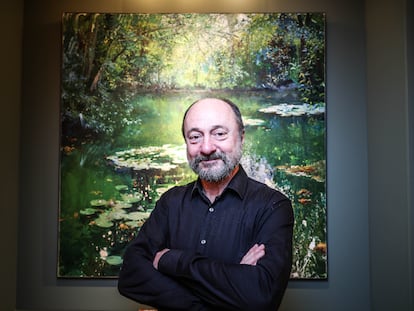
348	284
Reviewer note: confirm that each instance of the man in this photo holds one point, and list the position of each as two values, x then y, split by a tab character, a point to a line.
223	242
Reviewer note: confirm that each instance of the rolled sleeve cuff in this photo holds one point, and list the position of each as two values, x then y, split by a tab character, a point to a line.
168	263
176	262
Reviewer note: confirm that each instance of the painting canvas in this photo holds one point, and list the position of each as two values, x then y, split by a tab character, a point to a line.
126	81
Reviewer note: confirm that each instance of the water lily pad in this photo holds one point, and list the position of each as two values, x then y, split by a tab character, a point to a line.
103	221
121	187
253	122
138	215
114	260
88	211
99	202
131	199
117	214
122	204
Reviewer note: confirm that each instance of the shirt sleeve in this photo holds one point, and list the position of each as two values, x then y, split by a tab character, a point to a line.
141	282
235	286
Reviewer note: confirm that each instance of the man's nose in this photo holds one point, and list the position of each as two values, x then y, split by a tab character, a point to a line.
208	146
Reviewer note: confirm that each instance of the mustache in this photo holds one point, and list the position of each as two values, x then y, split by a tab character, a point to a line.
213	156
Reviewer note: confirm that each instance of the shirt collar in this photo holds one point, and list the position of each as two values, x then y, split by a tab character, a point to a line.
238	184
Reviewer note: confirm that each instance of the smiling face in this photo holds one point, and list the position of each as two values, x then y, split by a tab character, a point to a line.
214	139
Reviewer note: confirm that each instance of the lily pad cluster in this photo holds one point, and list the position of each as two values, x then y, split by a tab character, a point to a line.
164	158
125	211
315	171
117	215
291	110
118	219
253	122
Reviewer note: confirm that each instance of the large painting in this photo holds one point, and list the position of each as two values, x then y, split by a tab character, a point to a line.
126	81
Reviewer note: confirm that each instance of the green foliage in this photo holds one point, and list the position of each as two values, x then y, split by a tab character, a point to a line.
294	54
309	253
109	58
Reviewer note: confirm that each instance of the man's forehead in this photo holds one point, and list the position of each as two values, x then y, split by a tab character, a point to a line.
209	103
209	107
208	114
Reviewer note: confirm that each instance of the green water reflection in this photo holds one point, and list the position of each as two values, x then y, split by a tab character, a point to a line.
110	183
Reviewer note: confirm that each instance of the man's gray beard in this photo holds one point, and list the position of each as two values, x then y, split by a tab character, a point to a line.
216	173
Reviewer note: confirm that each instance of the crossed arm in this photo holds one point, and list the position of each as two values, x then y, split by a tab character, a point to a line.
250	258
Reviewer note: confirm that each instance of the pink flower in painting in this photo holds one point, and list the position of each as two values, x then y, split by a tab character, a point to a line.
103	253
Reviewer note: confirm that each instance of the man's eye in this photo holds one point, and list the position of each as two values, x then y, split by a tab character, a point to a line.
220	134
194	138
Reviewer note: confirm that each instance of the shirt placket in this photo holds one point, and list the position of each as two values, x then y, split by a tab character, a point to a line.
207	225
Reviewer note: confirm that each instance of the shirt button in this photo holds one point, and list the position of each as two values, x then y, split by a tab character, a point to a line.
211	209
203	242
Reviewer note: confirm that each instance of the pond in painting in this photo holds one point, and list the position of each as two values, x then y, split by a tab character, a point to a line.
110	182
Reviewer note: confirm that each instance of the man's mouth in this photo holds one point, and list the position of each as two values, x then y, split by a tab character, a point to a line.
209	162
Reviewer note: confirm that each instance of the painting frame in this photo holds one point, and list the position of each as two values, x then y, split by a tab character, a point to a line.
99	83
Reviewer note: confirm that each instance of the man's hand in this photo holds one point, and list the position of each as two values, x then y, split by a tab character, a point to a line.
253	255
158	257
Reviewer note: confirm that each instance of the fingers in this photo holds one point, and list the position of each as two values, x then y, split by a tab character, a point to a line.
253	255
158	257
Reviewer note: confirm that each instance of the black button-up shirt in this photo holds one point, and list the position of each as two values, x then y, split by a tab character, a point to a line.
207	241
